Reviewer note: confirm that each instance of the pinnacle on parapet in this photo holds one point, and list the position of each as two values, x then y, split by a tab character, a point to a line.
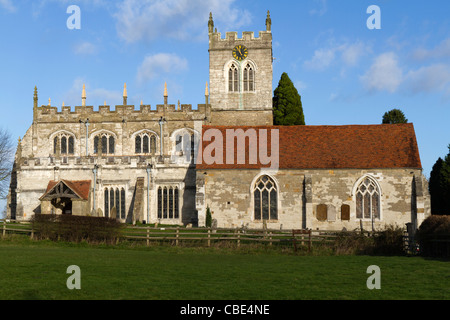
35	98
125	94
268	22
83	96
206	90
210	23
49	102
63	104
165	94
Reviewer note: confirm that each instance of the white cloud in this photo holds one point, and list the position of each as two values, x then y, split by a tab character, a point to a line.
384	74
180	19
86	48
441	51
432	78
8	5
161	63
349	54
321	60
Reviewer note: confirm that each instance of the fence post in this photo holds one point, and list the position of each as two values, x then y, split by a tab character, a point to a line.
209	237
148	236
178	232
309	241
270	233
32	233
4	227
239	238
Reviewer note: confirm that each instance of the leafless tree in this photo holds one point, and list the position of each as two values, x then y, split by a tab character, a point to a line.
6	161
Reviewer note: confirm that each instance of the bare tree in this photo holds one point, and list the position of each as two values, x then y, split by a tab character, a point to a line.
6	161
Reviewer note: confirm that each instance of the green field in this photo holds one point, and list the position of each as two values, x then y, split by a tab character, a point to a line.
37	270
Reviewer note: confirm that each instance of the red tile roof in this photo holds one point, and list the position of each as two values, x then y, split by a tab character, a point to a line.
330	147
79	187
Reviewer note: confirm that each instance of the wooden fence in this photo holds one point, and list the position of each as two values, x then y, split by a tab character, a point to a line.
205	236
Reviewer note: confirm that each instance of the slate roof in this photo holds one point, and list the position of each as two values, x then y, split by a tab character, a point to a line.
330	147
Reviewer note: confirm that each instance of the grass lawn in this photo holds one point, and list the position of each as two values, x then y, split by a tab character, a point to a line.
37	270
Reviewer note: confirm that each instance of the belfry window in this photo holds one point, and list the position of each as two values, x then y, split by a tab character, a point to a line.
265	199
105	143
145	143
233	79
368	200
64	144
168	203
249	78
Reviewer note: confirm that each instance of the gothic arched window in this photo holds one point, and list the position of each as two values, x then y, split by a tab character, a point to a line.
104	142
145	143
115	198
249	78
233	79
265	199
368	200
64	144
168	203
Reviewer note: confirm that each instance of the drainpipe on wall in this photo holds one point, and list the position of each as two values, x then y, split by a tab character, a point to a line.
87	136
161	138
149	170
95	183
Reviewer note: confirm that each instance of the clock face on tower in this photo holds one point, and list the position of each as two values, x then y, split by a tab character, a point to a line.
240	52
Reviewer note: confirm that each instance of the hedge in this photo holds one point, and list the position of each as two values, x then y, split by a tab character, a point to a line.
434	236
76	228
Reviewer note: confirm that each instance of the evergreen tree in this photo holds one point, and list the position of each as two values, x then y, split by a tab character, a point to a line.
435	189
287	104
439	186
394	116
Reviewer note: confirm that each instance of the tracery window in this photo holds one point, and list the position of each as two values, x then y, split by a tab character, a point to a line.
265	199
187	142
64	144
145	143
368	200
249	78
104	142
168	203
115	198
233	79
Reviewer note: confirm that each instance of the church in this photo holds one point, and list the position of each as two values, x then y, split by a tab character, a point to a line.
171	164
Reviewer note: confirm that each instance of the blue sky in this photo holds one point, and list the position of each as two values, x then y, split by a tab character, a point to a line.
345	72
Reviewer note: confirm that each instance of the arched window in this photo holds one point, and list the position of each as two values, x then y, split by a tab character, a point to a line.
168	203
265	199
104	142
368	200
64	144
115	198
145	143
249	78
233	79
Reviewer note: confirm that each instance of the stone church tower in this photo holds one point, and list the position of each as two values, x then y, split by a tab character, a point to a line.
240	75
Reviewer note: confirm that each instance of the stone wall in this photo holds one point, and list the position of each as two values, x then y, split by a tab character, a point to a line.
229	195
